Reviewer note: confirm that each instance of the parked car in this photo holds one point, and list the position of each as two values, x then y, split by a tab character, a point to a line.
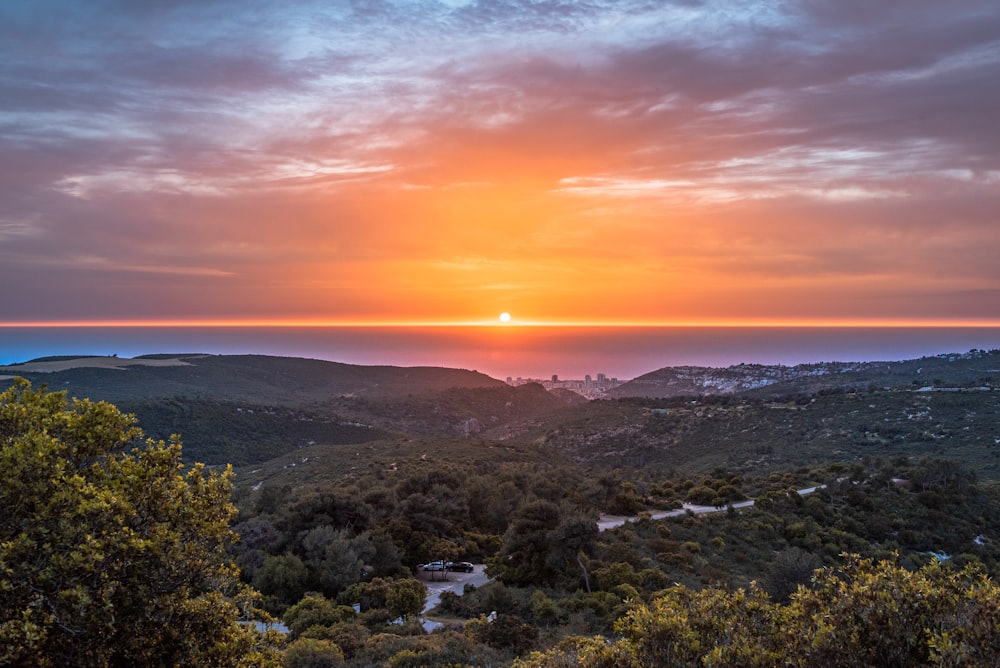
463	566
434	566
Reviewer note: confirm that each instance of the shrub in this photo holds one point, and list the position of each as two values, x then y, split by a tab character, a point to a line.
313	653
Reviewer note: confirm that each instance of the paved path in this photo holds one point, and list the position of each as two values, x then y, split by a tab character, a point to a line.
606	522
451	581
454	582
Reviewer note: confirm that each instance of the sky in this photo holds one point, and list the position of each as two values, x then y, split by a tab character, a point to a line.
421	161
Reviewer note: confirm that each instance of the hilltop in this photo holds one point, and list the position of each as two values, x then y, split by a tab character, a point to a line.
959	369
247	409
754	419
290	381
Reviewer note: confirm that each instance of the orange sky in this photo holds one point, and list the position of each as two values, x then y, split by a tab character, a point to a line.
604	162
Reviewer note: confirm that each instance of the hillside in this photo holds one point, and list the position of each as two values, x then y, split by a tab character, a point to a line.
245	409
752	435
349	477
248	409
262	379
754	419
957	369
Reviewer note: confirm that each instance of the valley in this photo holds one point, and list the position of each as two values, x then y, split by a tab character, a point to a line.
347	478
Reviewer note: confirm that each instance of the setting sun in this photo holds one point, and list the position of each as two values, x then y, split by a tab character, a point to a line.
505	317
574	162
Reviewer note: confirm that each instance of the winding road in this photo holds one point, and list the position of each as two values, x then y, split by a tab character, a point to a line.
606	522
455	582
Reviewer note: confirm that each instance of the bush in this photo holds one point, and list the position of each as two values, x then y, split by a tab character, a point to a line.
504	632
702	496
315	610
863	613
313	653
104	535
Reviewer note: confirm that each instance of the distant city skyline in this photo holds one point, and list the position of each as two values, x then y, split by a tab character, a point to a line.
621	352
587	386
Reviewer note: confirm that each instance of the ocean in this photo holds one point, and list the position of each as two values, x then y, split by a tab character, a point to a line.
502	351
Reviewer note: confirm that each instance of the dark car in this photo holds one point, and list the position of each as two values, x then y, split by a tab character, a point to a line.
463	566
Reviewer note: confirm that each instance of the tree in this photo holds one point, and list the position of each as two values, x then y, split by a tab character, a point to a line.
522	559
313	653
406	597
504	632
863	613
568	542
543	546
110	552
283	579
315	610
340	557
879	614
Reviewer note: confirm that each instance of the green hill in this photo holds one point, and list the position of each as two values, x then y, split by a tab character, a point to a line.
259	379
754	435
976	367
247	409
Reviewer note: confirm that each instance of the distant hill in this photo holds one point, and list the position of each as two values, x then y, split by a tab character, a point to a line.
245	409
464	412
960	369
249	408
754	418
263	379
754	435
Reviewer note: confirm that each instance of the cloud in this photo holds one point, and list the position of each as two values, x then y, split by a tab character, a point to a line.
348	154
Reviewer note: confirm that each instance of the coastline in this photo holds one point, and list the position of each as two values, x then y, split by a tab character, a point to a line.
622	352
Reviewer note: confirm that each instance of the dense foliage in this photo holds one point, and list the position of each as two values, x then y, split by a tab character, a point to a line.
241	432
556	576
111	553
863	613
325	537
331	532
753	434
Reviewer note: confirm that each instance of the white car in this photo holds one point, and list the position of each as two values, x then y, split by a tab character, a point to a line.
433	566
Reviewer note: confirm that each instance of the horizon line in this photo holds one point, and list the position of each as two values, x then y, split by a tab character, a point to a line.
513	324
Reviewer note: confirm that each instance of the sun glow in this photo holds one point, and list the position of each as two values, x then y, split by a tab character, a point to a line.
508	320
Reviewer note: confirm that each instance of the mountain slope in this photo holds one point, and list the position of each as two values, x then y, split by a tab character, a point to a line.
260	379
959	369
244	409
